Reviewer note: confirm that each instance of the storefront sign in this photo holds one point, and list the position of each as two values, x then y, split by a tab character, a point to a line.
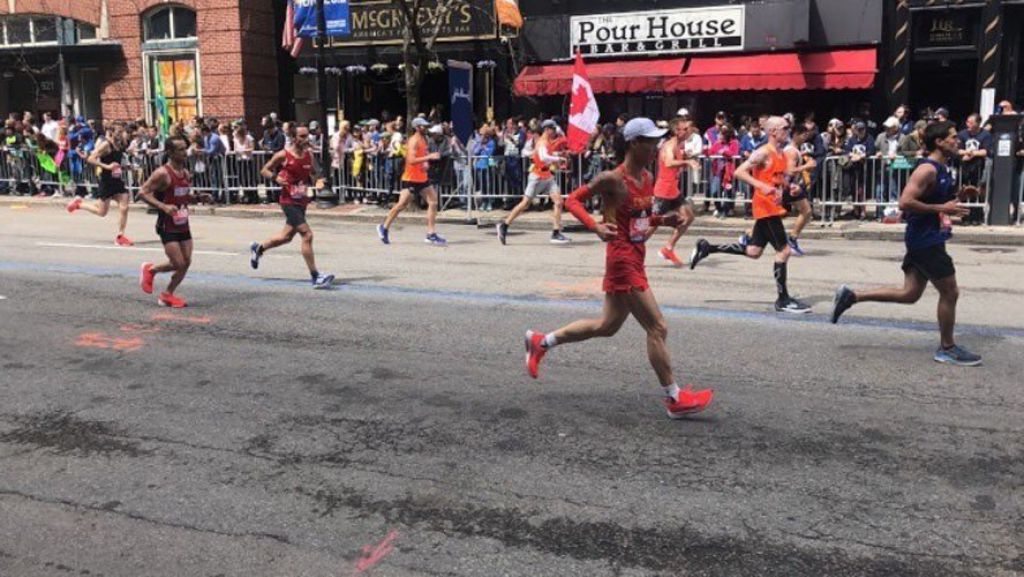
946	28
659	31
383	22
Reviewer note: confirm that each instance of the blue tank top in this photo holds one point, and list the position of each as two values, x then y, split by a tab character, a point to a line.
925	229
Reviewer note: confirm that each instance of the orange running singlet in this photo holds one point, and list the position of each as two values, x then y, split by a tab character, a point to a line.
773	173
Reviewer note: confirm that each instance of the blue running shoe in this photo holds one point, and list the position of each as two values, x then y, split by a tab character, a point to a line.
744	240
957	355
435	239
323	281
382	233
254	255
794	244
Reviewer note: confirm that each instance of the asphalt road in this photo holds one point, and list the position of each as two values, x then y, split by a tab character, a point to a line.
387	427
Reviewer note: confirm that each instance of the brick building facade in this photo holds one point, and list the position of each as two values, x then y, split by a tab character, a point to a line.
108	58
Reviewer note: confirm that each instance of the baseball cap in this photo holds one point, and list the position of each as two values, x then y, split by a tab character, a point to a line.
891	122
859	125
549	124
942	112
313	125
683	112
642	128
418	122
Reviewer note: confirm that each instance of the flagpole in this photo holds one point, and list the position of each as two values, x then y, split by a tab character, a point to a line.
321	81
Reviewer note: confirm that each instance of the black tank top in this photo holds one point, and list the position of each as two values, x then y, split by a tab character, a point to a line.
113	155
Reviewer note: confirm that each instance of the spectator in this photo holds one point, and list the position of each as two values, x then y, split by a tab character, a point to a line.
865	116
214	152
513	138
243	146
942	114
711	136
887	148
902	115
273	140
483	150
912	145
50	126
976	149
754	138
728	148
858	148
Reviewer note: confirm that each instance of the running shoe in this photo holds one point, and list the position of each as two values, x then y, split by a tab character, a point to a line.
169	300
535	351
842	303
382	234
558	238
689	403
146	276
792	306
435	239
957	355
323	281
744	240
700	252
794	244
254	255
123	240
670	255
502	232
75	204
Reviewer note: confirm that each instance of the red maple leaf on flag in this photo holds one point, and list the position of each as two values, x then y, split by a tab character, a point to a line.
579	100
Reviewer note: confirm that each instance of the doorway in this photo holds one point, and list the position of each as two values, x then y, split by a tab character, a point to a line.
945	82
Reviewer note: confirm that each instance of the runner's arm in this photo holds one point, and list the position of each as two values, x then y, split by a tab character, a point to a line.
94	156
920	181
270	168
669	159
757	159
574	204
159	180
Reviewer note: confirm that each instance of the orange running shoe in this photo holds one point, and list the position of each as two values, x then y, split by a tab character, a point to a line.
535	351
169	300
146	276
689	402
666	254
75	204
123	240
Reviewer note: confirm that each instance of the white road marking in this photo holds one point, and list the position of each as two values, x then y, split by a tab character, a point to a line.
3	298
135	248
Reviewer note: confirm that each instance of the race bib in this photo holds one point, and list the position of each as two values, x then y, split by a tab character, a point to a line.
299	191
945	225
180	217
639	226
181	191
116	173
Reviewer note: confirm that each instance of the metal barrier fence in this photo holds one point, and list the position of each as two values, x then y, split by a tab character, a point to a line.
838	184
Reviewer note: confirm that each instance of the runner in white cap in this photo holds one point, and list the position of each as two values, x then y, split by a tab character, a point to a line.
416	181
540	182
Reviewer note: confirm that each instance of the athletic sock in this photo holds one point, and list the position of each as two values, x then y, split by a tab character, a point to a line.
672	391
780	281
315	274
734	248
549	341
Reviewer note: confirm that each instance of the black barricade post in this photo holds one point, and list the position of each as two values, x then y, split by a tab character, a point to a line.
1000	195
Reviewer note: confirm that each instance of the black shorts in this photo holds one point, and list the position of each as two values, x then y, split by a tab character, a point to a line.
416	188
294	215
788	199
769	231
663	206
108	190
933	263
166	237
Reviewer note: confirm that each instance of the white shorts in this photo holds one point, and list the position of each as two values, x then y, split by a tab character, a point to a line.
536	186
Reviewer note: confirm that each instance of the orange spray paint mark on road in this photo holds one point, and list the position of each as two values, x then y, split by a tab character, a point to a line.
140	329
373	555
581	290
104	341
182	319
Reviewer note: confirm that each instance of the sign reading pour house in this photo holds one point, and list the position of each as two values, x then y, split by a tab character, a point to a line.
659	31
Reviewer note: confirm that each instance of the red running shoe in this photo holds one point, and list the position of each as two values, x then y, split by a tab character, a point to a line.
670	256
146	276
535	351
690	402
169	300
123	240
75	204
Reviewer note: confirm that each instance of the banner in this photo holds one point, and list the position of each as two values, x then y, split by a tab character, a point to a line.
658	31
509	14
335	12
460	98
583	112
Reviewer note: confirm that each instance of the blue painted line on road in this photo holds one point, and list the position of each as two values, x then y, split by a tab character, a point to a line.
449	296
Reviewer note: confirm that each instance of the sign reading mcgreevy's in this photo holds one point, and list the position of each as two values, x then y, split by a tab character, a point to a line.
659	31
383	22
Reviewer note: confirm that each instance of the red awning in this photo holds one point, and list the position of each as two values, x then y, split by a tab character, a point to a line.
833	70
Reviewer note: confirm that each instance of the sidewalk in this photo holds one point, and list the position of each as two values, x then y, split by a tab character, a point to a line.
705	225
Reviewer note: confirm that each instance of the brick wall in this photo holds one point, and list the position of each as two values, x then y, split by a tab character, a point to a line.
83	10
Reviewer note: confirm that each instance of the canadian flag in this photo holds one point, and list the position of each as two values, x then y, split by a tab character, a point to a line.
290	41
583	111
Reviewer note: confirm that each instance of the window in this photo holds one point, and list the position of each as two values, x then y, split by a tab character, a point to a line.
86	32
173	89
44	30
171	23
28	30
19	31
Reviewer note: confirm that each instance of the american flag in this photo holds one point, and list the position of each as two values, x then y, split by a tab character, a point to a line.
291	41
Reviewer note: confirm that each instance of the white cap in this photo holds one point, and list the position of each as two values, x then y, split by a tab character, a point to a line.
549	124
682	112
436	129
642	128
891	122
418	122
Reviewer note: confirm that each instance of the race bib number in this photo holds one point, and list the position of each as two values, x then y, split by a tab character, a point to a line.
299	191
945	225
116	173
180	217
639	226
181	191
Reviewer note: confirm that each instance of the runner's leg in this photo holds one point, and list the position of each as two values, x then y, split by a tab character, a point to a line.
122	207
804	207
556	213
949	293
913	287
180	255
518	210
686	218
430	195
307	246
616	311
644	308
284	237
99	208
404	197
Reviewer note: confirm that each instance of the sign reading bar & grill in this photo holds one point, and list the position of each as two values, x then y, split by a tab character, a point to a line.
659	31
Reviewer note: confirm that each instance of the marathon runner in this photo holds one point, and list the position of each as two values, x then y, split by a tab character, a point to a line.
295	168
668	198
415	181
765	171
801	167
169	191
928	201
107	156
541	182
627	198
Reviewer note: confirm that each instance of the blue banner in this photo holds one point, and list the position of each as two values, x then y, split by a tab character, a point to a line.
335	12
460	97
